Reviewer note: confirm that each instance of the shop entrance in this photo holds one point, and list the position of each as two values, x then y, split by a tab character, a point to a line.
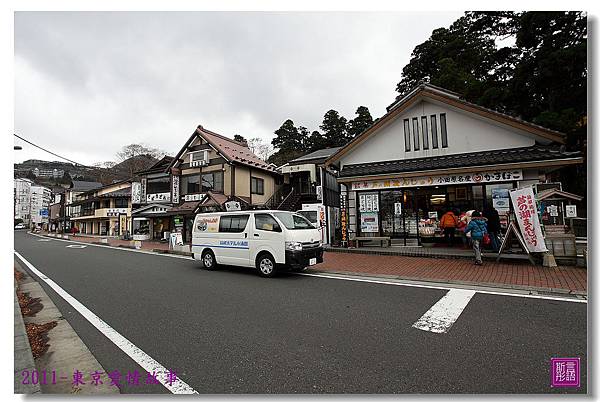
399	216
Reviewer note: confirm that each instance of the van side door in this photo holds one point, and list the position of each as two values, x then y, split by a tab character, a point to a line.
267	236
232	246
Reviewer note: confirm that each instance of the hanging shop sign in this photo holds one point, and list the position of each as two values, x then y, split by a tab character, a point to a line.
526	210
369	222
398	208
158	197
441	180
175	189
571	211
136	192
368	202
233	206
552	210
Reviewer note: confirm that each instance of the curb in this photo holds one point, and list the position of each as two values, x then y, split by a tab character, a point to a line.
530	289
66	352
23	358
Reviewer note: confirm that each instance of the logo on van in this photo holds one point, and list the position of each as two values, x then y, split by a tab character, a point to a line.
208	224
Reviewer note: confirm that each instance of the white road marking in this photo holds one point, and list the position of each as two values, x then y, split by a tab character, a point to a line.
44	239
135	353
120	248
397	282
440	317
76	246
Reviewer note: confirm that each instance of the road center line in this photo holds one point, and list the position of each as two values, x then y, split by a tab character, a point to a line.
135	353
440	317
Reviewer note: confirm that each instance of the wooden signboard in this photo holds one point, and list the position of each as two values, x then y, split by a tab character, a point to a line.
507	251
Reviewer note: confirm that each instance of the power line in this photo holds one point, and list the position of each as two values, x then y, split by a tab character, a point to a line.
69	160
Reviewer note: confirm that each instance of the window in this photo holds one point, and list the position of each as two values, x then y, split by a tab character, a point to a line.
266	222
406	135
443	129
434	136
257	186
416	132
233	223
293	221
425	132
212	182
158	185
199	156
190	184
121	202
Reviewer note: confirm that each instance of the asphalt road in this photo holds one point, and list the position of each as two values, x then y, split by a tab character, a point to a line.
231	331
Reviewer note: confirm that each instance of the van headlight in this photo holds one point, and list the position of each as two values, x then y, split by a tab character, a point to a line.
293	245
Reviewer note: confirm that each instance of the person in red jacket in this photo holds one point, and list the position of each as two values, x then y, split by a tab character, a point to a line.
448	223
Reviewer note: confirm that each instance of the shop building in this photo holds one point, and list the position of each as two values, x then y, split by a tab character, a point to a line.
312	189
210	173
433	151
105	211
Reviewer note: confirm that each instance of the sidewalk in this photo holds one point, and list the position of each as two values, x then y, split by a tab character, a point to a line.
504	274
147	245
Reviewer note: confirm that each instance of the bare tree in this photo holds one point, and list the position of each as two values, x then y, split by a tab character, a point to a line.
135	157
260	148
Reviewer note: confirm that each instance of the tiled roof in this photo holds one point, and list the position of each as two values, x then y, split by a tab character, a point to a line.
234	151
79	185
123	192
525	154
316	156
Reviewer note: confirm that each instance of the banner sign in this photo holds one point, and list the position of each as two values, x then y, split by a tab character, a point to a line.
116	211
175	196
136	192
467	178
158	197
526	210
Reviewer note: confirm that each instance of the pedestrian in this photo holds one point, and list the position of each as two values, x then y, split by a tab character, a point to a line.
493	225
477	227
448	223
463	221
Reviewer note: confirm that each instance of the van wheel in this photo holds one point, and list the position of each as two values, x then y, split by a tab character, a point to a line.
208	260
265	265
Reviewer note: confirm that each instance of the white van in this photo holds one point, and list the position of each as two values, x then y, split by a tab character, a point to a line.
266	240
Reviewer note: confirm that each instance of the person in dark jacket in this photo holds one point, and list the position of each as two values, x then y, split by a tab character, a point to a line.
493	225
477	227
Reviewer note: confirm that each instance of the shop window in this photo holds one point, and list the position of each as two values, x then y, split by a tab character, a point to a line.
190	184
416	133
158	185
444	130
266	222
233	223
406	135
257	186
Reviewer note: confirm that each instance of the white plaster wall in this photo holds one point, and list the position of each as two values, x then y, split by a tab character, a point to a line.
467	132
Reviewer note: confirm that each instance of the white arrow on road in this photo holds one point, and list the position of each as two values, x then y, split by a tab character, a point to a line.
75	246
440	317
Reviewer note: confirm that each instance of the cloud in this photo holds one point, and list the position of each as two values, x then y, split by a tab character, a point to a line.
88	83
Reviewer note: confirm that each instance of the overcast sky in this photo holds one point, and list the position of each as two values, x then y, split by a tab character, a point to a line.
88	83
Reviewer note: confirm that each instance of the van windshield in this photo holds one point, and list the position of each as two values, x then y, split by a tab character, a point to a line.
293	221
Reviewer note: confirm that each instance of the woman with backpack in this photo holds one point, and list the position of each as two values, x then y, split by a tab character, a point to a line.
478	229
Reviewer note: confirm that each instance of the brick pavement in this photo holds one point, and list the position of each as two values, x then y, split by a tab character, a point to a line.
457	270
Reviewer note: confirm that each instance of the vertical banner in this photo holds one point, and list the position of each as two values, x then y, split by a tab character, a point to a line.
143	189
526	211
122	224
136	192
175	195
343	222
